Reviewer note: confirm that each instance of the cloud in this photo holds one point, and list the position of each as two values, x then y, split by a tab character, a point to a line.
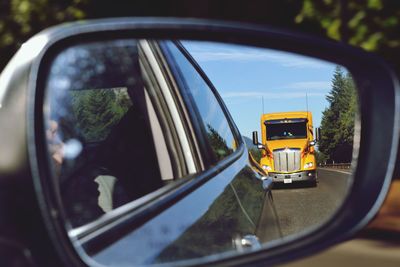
217	52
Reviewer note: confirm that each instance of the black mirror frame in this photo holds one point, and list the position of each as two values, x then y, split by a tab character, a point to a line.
378	98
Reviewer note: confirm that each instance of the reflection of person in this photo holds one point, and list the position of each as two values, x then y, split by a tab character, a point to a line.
87	192
287	134
56	146
106	174
105	183
79	192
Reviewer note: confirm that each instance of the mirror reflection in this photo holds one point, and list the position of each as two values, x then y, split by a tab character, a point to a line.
297	116
129	122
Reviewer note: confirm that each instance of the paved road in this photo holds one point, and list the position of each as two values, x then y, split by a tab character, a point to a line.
300	207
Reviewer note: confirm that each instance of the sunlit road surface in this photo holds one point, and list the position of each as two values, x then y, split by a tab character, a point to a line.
299	207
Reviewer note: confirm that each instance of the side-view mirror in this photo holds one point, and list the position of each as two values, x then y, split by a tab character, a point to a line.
317	134
114	132
255	138
255	141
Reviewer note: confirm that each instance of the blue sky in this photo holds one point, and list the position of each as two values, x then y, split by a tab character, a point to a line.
244	75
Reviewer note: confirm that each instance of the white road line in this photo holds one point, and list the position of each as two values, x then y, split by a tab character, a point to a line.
334	170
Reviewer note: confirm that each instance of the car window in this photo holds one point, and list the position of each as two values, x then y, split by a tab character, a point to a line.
213	121
106	142
99	137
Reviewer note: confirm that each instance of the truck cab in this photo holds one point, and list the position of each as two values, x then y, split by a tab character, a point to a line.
287	144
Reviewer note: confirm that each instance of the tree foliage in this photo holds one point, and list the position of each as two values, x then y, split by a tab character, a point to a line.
20	19
337	125
373	25
370	24
98	110
218	143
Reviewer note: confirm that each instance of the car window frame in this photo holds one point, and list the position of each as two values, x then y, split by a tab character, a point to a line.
153	86
207	152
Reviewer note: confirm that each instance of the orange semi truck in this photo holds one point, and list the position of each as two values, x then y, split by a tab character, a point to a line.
287	144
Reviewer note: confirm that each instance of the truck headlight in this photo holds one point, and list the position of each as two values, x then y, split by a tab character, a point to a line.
266	167
308	165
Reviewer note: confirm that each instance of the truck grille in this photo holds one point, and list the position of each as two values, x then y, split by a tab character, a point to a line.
287	160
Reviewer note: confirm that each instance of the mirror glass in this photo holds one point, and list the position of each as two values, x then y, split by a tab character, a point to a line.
128	123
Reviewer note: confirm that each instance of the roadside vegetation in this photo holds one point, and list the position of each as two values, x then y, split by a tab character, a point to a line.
337	124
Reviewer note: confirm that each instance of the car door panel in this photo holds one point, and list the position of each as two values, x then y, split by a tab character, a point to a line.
205	222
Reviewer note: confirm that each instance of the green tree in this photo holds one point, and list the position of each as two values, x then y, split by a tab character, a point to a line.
372	25
330	115
321	158
20	19
337	125
218	143
97	111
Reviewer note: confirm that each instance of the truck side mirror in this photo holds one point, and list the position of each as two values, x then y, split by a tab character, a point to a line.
255	141
317	134
255	138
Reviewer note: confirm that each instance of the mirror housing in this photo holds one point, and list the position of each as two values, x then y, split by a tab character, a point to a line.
255	141
317	134
368	71
255	138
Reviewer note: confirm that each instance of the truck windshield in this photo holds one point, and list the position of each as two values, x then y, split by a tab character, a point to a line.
278	131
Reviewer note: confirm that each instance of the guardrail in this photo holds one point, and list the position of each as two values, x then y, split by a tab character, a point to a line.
336	165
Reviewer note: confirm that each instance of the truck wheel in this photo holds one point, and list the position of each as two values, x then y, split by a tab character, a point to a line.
313	183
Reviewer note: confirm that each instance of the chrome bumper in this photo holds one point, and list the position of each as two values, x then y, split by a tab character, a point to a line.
306	176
